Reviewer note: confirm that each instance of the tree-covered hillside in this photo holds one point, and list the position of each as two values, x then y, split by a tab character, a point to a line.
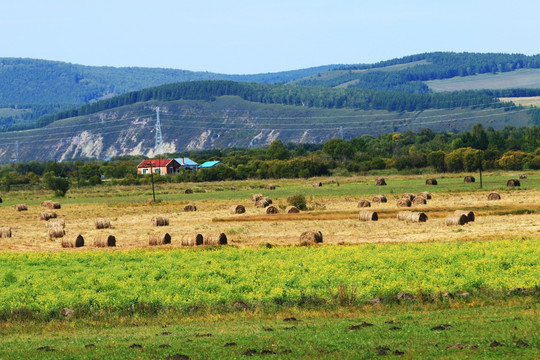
388	76
44	87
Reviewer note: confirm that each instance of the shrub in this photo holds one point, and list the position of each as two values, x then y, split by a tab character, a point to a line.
297	200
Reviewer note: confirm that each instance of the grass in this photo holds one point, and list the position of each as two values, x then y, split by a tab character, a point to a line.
506	331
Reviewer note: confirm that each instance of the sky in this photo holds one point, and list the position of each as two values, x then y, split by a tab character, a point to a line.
260	36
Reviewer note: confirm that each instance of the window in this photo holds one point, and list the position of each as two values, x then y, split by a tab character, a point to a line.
145	171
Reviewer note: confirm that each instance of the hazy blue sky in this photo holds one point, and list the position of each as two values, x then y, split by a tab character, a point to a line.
253	36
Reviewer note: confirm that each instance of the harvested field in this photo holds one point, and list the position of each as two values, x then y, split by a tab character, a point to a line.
516	215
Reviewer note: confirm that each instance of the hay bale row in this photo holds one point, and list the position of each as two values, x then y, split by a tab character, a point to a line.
291	210
380	182
311	237
403	202
237	209
46	215
456	220
379	199
160	221
431	182
513	183
104	241
256	197
56	223
469	179
411	216
51	204
368	216
189	240
103	224
5	232
73	241
494	196
468	214
364	203
272	210
21	207
190	208
56	232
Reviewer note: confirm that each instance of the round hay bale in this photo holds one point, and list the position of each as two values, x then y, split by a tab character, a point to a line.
494	196
468	214
425	194
104	241
270	187
403	202
237	209
416	217
380	182
311	237
402	215
56	223
160	221
431	182
272	210
54	205
103	224
317	184
379	199
56	232
5	232
192	240
268	200
419	200
456	220
46	215
215	239
21	207
159	239
256	197
190	207
364	203
408	196
73	241
262	203
368	216
469	179
513	182
46	203
188	191
521	177
0	200
291	210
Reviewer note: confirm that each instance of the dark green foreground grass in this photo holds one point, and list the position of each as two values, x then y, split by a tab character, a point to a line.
503	331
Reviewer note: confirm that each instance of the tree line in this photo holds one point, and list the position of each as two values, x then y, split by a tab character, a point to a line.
508	149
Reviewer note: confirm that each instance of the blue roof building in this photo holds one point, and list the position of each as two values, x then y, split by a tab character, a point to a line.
187	163
209	164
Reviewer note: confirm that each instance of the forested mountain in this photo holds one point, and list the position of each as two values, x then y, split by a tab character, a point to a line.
30	88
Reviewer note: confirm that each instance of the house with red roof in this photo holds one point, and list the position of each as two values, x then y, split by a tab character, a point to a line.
158	166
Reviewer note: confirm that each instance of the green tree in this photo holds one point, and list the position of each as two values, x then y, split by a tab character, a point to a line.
277	150
59	184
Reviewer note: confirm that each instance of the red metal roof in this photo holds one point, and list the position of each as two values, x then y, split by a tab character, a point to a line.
155	163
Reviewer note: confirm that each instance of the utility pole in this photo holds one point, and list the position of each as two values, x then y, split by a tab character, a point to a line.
480	168
152	178
341	132
16	151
